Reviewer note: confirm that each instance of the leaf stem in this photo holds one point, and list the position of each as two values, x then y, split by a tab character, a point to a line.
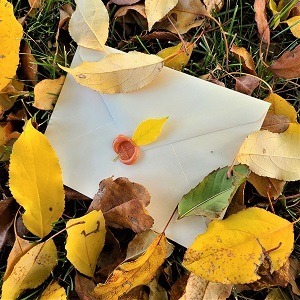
170	219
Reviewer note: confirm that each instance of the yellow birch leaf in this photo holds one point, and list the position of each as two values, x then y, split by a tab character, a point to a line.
279	106
157	9
132	274
231	250
35	181
274	155
178	56
89	23
293	128
85	241
294	24
46	92
11	33
148	131
31	270
54	291
118	72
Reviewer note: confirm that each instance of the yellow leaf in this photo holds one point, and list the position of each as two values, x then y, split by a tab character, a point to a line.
31	270
54	291
46	92
131	274
157	9
279	106
293	128
294	24
35	181
148	131
178	56
274	155
85	241
231	250
89	24
10	36
118	72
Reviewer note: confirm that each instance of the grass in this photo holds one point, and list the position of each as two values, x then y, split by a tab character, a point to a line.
209	56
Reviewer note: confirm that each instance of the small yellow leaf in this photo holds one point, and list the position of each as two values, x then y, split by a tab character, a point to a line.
35	181
131	274
178	56
231	250
85	241
11	33
31	270
118	72
274	155
293	128
279	106
294	24
54	291
89	23
46	92
148	131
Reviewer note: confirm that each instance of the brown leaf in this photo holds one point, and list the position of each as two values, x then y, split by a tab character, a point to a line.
84	287
245	58
65	13
124	10
237	202
275	123
28	63
137	293
178	288
293	274
71	194
246	84
288	64
35	3
213	6
124	2
10	93
261	20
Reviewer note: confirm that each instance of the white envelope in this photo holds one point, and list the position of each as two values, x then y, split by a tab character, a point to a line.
206	126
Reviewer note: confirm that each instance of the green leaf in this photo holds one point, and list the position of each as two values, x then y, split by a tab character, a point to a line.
213	194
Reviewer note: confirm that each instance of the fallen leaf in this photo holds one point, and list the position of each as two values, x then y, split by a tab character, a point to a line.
178	289
29	66
231	250
245	58
200	289
293	128
123	204
266	185
137	293
277	294
148	131
65	13
261	20
177	57
85	241
35	3
84	287
275	123
135	273
272	155
294	25
35	181
213	194
71	194
293	274
31	270
246	84
157	292
122	11
288	64
54	291
124	2
237	203
213	6
89	24
118	72
11	33
279	106
10	94
46	92
156	10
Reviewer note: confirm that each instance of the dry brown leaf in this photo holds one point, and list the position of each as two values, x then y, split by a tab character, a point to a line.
178	289
237	203
84	288
124	10
293	274
288	64
10	94
65	13
261	20
275	123
138	293
157	292
246	84
29	65
71	194
213	6
35	3
245	58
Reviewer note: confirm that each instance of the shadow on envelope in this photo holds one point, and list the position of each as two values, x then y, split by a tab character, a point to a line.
206	126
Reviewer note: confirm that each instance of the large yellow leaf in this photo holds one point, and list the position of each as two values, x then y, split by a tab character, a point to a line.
131	274
157	9
10	36
231	250
54	291
148	131
89	24
35	181
31	270
274	155
85	241
118	72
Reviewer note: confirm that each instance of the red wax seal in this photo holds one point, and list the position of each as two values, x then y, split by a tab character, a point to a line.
126	149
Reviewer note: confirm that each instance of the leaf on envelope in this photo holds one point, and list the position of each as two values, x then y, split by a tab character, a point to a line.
89	24
245	58
157	9
118	72
135	273
213	194
35	181
274	155
31	270
123	204
85	241
148	131
54	291
231	250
